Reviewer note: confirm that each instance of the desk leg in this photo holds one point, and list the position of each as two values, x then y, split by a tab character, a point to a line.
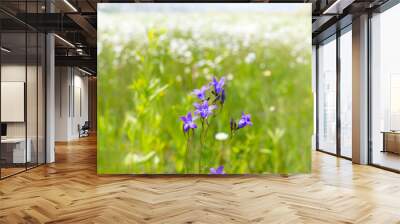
384	142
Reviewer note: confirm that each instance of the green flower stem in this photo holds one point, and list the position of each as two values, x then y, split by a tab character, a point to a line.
201	142
187	151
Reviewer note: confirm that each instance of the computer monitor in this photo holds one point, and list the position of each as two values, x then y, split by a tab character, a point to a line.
3	129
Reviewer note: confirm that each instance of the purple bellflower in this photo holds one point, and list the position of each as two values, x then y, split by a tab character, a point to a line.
219	170
203	109
233	125
223	97
218	85
188	122
201	93
244	121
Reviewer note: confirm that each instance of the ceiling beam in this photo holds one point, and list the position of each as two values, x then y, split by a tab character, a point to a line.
321	22
81	61
338	6
49	22
86	27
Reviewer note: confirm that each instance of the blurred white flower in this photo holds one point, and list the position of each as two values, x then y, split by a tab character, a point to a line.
267	73
221	136
187	54
174	45
117	49
246	41
162	38
180	49
210	64
195	75
267	36
178	78
218	59
156	160
137	158
235	48
300	60
250	58
187	70
272	108
229	76
200	63
137	58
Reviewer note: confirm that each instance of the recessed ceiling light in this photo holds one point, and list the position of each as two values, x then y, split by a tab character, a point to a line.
70	5
5	50
64	40
84	71
337	7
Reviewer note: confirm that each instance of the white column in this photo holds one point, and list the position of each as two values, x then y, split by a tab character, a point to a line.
314	91
360	90
50	99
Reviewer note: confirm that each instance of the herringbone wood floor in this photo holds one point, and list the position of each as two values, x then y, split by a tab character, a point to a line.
69	191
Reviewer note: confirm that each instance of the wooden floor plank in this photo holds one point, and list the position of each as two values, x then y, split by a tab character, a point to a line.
70	191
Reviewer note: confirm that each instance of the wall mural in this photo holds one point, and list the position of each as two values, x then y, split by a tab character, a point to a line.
204	88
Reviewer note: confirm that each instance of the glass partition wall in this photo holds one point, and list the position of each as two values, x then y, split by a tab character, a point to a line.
13	90
327	95
345	61
385	89
334	91
334	125
22	78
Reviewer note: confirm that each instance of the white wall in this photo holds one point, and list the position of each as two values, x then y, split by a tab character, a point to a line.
71	94
12	73
62	82
33	126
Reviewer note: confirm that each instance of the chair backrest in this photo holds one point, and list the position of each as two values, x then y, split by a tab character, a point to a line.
86	124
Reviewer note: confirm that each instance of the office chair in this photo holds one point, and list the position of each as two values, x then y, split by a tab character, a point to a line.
84	130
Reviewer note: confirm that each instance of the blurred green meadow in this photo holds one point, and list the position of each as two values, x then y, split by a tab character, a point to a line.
150	60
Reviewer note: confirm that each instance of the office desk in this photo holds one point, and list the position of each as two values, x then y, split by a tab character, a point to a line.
391	141
13	150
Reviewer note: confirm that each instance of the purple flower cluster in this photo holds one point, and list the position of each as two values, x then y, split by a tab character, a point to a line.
219	170
244	121
201	93
219	91
218	85
205	108
188	122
